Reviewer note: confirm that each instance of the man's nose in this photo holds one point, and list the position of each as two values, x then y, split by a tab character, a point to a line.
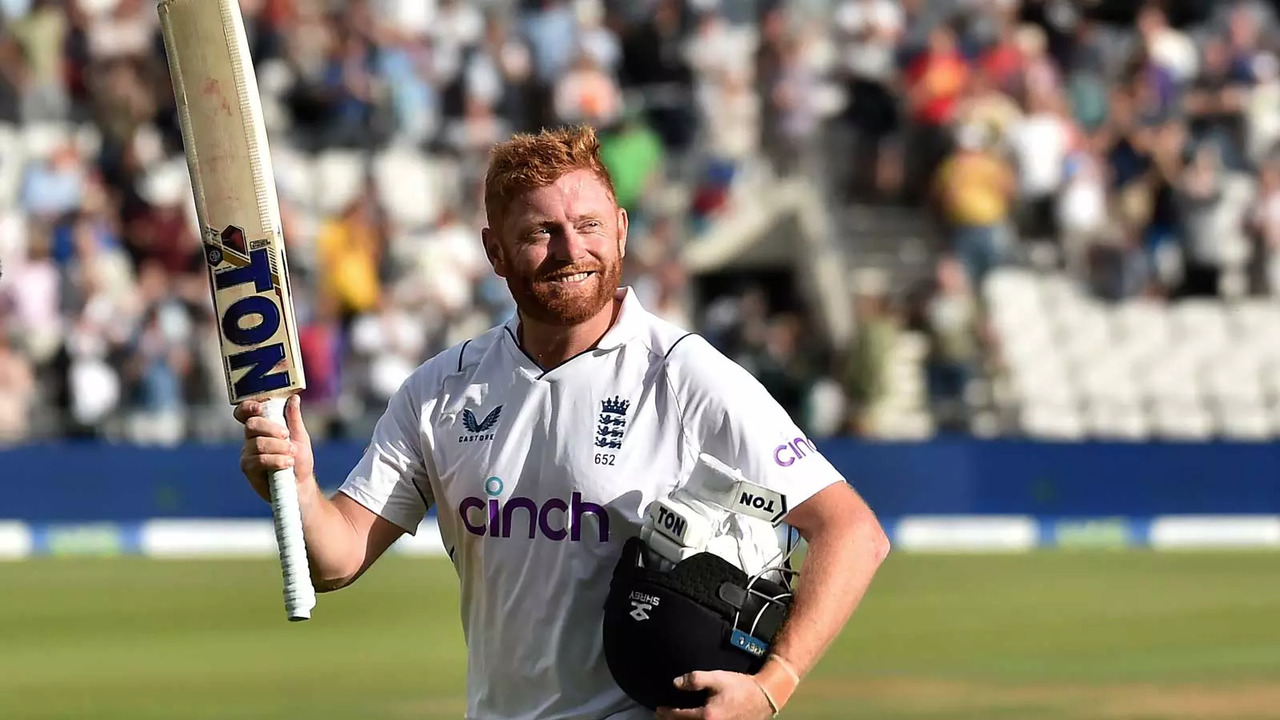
568	244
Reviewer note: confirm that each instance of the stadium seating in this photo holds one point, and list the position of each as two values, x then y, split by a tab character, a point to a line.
1072	367
408	187
904	414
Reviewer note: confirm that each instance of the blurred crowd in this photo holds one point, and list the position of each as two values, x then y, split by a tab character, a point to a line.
1130	146
381	113
1135	153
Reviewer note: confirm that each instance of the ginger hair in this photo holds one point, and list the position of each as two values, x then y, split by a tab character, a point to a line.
529	161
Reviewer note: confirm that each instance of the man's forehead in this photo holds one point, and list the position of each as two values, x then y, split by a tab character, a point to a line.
578	191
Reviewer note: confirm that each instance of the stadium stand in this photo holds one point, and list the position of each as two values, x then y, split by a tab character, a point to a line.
990	217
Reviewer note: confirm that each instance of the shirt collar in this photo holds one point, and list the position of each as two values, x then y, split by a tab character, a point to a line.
629	321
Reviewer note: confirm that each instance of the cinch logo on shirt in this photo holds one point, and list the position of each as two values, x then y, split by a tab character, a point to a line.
555	519
794	451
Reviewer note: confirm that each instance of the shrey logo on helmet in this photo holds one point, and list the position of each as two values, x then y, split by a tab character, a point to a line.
643	604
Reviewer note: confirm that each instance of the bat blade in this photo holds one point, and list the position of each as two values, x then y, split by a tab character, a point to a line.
225	140
234	186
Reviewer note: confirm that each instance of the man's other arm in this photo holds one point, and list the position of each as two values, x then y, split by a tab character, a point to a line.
343	540
846	547
342	537
384	496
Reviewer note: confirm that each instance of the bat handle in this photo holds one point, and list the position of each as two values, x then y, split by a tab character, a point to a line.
299	595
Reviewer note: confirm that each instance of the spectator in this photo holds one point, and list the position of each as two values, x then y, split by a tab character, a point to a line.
974	190
348	86
654	65
670	297
776	362
790	99
1264	230
597	39
1004	61
1154	88
715	48
587	94
1119	266
634	155
458	23
551	30
866	366
1040	76
499	74
935	82
100	273
1245	25
322	346
951	324
1200	194
1168	143
405	65
986	107
17	393
161	229
1041	141
1262	111
32	292
1086	78
1081	208
868	33
388	343
728	104
93	384
123	32
1215	104
350	253
55	185
158	364
1167	47
41	35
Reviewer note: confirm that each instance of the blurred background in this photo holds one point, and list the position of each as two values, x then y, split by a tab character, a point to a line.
1012	264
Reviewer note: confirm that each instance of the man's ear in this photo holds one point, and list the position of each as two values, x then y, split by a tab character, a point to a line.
624	223
493	251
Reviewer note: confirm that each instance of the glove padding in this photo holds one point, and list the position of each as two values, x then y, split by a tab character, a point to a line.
720	512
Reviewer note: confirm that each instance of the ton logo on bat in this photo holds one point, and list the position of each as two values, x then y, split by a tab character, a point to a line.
259	359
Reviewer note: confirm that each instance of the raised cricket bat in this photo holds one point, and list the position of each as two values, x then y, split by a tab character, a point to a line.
231	177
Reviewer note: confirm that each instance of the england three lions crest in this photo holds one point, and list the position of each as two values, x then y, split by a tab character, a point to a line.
611	425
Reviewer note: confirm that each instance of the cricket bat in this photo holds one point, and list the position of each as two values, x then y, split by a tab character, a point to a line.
225	140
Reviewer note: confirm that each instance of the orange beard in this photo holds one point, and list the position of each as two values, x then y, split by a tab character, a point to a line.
545	302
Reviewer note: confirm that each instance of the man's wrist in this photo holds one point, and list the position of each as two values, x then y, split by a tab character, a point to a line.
778	680
309	493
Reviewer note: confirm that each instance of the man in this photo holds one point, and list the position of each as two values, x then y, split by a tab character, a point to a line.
974	190
544	440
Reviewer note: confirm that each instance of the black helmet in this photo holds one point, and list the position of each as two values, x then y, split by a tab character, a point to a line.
702	614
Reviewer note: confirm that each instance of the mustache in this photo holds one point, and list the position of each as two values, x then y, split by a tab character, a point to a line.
564	270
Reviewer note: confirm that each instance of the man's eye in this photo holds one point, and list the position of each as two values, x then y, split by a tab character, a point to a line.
593	223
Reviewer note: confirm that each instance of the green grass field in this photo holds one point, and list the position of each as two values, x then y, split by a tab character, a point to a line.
1050	635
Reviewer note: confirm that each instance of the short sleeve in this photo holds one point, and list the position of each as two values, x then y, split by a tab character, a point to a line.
728	414
391	478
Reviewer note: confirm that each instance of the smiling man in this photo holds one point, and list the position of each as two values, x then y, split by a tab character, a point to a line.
542	443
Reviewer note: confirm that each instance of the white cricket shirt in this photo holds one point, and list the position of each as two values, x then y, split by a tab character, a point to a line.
539	477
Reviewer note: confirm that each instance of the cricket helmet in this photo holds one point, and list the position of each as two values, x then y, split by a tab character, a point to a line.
664	620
